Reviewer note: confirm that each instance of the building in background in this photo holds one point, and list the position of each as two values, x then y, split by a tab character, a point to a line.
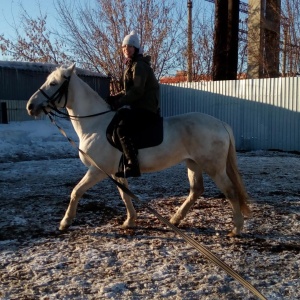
19	80
263	38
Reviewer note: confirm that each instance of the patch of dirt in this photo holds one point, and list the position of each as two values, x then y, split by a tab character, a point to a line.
97	259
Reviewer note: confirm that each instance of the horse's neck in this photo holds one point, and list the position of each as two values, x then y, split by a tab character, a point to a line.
84	102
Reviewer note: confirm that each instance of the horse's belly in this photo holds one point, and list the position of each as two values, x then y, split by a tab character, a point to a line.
197	137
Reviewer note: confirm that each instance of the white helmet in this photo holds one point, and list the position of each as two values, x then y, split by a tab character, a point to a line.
131	40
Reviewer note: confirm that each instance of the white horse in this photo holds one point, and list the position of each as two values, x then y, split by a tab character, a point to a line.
205	143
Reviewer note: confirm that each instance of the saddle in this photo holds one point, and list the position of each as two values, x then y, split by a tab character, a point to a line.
149	136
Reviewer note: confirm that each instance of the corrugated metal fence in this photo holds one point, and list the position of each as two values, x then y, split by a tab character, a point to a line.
264	113
16	111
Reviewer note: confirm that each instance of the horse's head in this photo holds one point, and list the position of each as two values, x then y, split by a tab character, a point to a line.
53	93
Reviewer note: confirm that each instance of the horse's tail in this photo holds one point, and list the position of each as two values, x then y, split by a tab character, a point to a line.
235	177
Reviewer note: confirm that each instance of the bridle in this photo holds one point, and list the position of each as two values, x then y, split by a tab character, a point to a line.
57	97
61	91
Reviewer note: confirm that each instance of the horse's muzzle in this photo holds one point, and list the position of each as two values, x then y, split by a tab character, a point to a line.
36	109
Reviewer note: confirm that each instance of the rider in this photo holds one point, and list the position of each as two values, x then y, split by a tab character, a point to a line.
141	98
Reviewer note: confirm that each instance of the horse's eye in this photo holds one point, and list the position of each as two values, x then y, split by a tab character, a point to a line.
53	83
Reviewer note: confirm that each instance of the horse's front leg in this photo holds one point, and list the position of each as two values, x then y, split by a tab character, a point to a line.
130	222
92	177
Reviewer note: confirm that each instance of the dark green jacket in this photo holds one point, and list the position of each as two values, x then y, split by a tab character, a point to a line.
141	88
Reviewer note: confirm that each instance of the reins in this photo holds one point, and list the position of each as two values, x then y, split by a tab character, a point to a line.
207	253
67	116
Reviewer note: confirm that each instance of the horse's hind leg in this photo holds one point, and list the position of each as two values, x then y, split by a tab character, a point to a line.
226	186
196	189
92	176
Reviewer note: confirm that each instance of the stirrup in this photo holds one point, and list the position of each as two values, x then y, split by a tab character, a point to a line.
130	171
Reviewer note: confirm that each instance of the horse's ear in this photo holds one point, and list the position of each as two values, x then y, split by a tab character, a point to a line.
72	67
70	70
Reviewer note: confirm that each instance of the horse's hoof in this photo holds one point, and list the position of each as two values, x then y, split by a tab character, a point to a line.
233	234
129	224
63	227
175	221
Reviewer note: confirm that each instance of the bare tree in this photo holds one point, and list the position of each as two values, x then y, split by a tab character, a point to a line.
34	43
203	46
290	37
202	28
95	35
91	35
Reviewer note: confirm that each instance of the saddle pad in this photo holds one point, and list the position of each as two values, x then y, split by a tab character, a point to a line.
149	136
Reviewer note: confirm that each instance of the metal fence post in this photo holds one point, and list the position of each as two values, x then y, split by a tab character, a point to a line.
4	119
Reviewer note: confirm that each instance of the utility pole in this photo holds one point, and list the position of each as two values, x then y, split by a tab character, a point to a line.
190	43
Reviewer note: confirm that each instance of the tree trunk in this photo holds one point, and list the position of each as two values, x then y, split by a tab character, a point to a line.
220	40
232	39
225	56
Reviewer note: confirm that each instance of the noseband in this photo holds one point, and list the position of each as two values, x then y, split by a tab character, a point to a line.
62	91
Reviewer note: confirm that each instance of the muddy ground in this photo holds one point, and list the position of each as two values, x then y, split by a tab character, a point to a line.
96	259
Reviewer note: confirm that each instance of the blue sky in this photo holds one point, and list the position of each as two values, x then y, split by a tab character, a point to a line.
10	12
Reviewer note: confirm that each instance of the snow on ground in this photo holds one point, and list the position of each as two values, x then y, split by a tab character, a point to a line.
96	259
34	140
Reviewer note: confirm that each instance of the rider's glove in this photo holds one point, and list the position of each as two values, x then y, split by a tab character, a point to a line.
114	102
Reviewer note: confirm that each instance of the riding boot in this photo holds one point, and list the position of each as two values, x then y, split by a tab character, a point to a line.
132	169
